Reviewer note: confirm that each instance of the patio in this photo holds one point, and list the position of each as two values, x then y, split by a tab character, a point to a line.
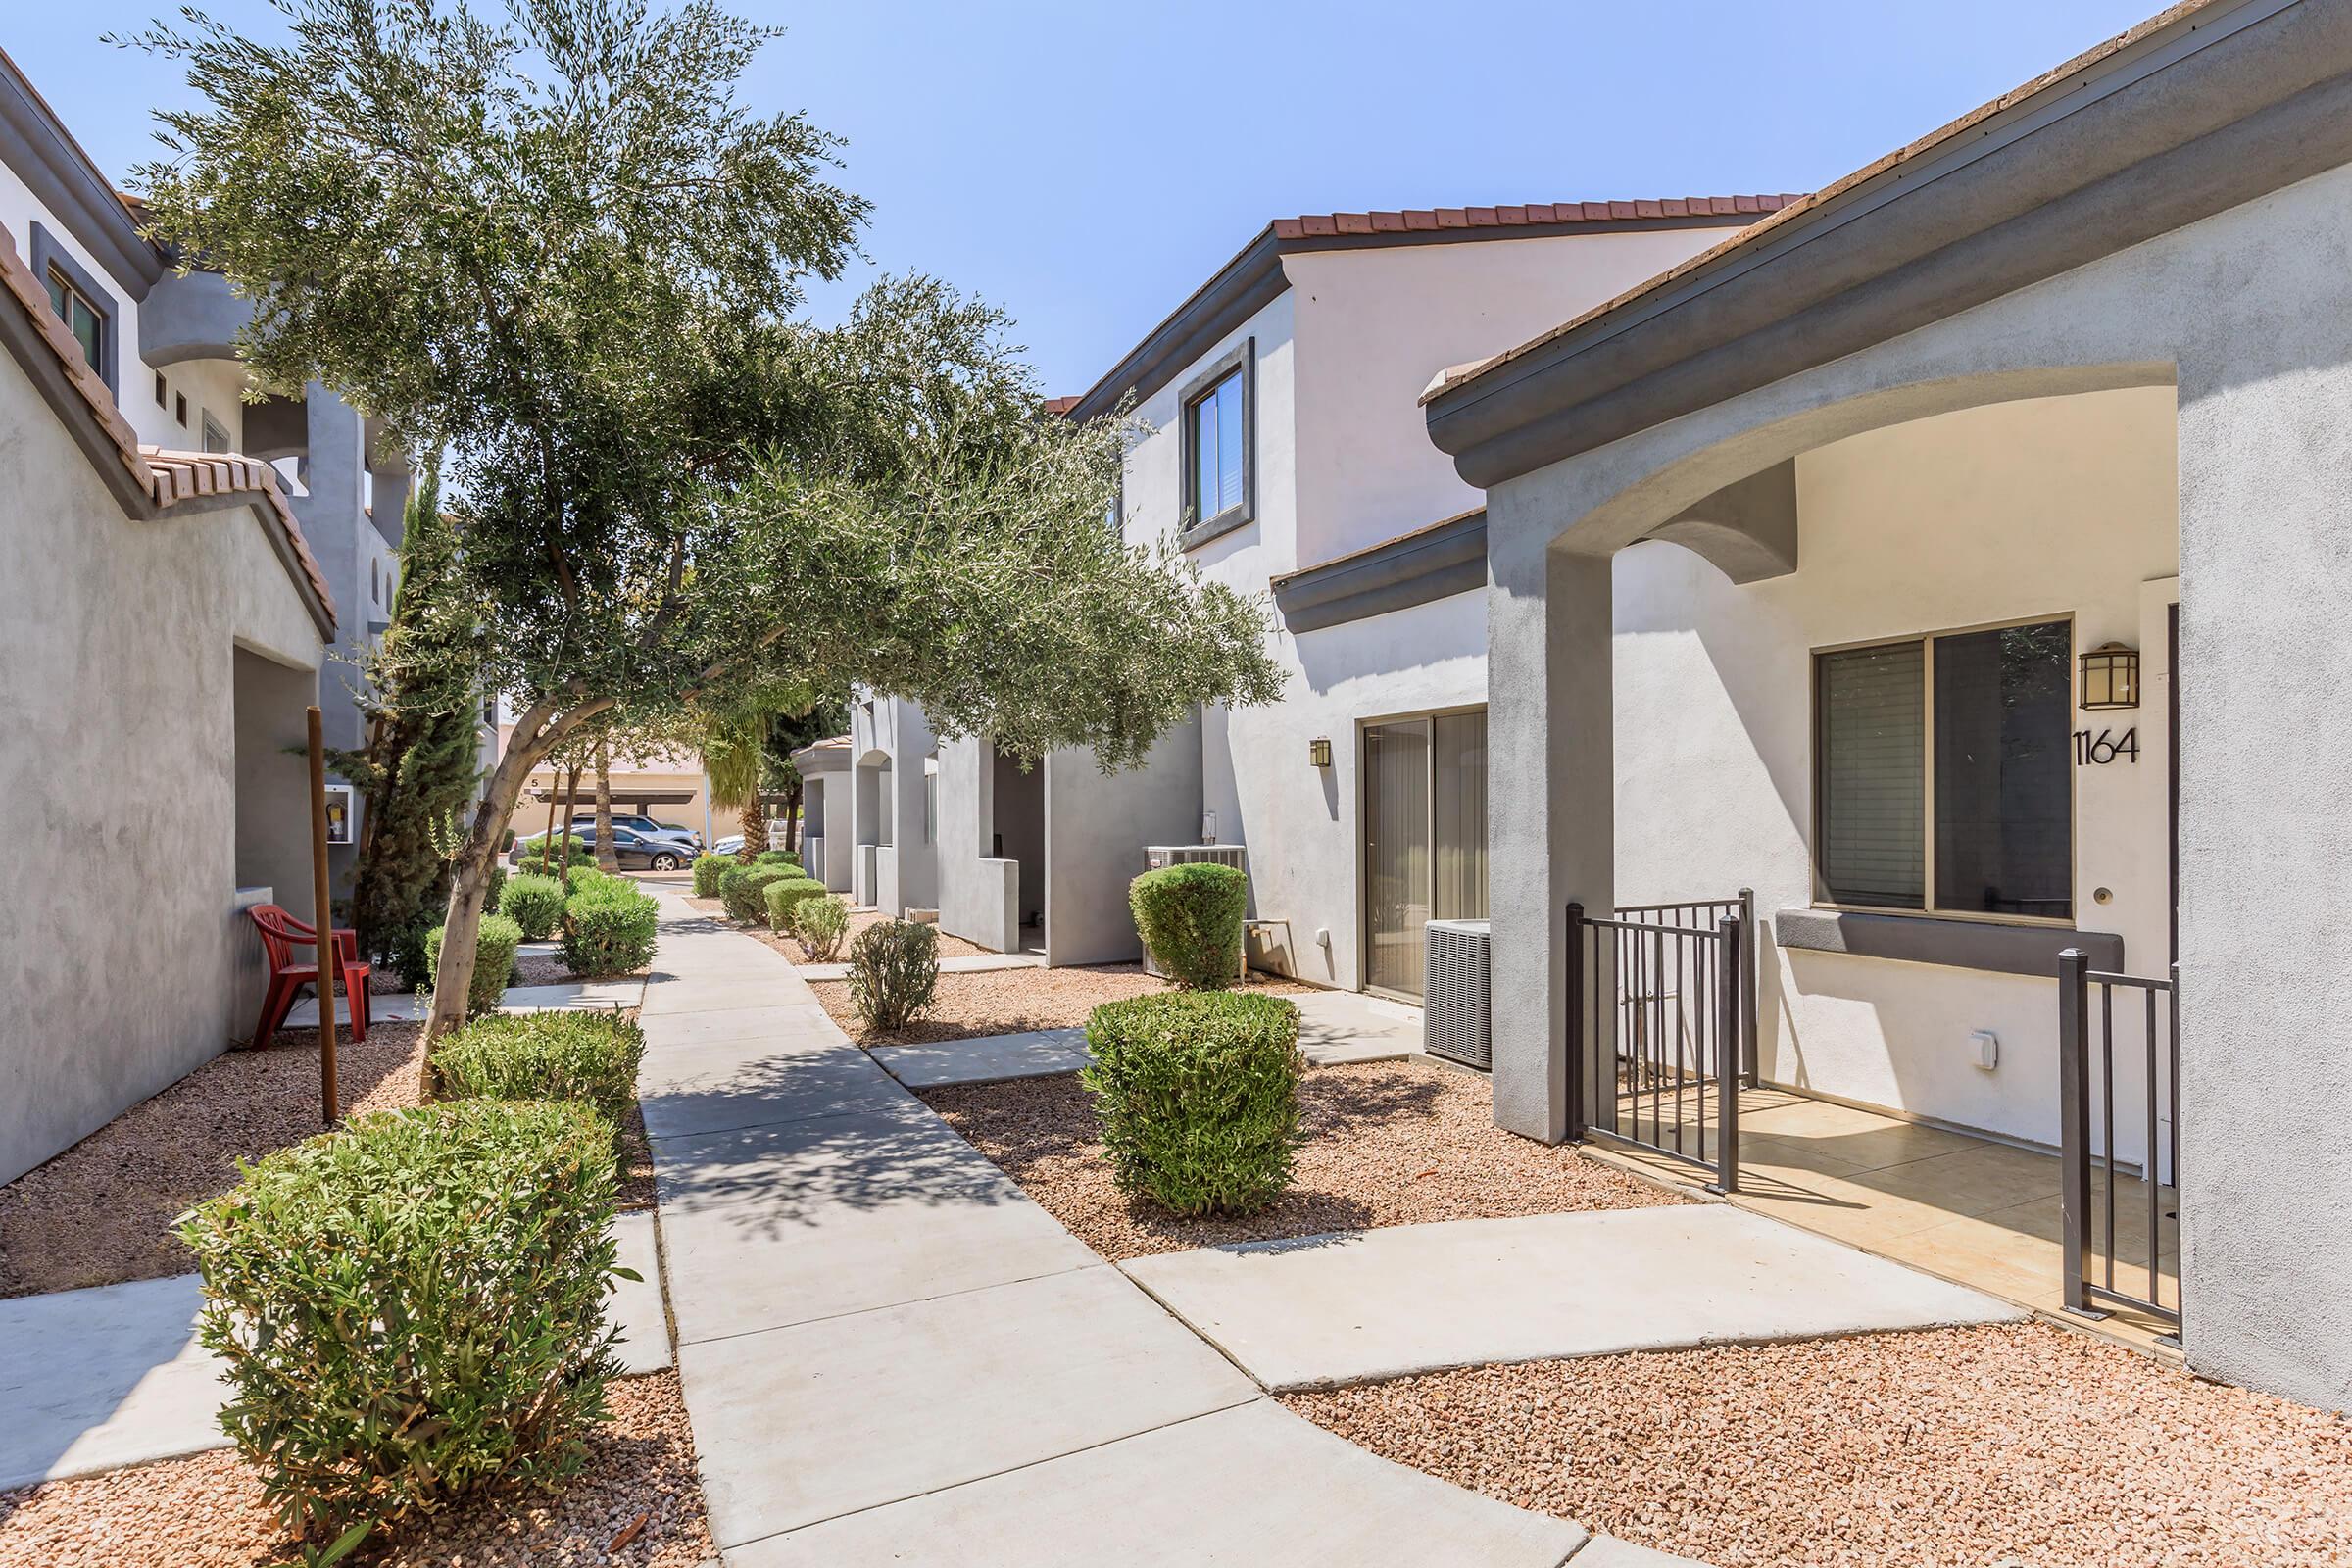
1969	1208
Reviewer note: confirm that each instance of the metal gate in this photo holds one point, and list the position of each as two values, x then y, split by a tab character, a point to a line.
2121	1169
1661	1034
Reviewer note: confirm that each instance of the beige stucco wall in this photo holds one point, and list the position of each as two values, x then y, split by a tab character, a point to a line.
117	760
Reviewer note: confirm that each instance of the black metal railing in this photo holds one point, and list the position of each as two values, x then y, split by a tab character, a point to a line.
2119	1213
1660	1003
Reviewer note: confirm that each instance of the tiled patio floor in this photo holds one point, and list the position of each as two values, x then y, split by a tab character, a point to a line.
1971	1210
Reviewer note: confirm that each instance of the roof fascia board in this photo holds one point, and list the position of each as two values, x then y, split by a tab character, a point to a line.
1466	414
61	176
1435	563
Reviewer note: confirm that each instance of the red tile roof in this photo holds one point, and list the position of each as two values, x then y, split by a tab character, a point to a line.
168	477
1437	219
1061	405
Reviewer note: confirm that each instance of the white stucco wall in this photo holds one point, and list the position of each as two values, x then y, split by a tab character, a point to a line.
2043	508
118	757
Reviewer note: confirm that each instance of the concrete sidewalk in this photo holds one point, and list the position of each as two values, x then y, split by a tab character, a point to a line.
1367	1306
891	1354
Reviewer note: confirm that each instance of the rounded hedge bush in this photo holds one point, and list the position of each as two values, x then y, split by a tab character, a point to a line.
707	869
412	1308
1189	916
534	903
609	929
785	896
744	891
588	1056
820	923
1197	1095
549	856
893	970
496	942
777	857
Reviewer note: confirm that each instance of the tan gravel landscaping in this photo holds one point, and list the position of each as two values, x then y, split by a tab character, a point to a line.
1011	1001
208	1513
101	1213
949	947
2020	1444
1388	1143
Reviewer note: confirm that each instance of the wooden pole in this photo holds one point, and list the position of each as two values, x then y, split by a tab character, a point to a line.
322	922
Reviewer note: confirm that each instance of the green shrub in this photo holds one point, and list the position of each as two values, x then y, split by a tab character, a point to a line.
744	891
494	951
497	888
1198	1093
608	928
545	856
820	923
1190	918
410	958
588	1056
534	903
707	869
412	1308
787	894
777	857
894	968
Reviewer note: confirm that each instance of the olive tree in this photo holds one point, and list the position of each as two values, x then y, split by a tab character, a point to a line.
556	250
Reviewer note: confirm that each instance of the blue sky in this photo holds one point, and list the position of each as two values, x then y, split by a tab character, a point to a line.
1089	165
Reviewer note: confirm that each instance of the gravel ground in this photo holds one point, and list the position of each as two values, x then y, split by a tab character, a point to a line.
101	1213
949	947
208	1513
1390	1143
2024	1444
1011	1001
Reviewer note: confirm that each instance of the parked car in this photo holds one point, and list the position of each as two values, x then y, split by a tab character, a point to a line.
732	844
634	851
584	823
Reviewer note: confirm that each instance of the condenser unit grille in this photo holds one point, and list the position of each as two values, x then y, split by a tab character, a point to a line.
1455	1016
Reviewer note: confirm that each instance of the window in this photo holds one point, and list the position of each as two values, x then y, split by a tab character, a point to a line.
1219	446
375	588
216	437
179	410
1941	773
1424	839
163	396
82	318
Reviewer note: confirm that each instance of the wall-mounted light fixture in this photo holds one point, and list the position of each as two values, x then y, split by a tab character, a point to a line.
1318	751
2111	676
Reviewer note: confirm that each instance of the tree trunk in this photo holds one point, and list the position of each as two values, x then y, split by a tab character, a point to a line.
571	807
755	829
792	817
547	840
608	859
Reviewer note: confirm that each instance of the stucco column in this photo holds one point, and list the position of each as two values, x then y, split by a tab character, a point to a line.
2264	840
1550	829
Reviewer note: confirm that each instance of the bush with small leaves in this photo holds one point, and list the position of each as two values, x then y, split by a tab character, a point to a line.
1189	916
494	949
777	857
707	869
534	903
412	1308
608	928
547	855
893	970
497	889
588	1056
409	959
1198	1096
787	894
820	923
744	891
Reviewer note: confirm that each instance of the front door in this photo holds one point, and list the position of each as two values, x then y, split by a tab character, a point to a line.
1397	859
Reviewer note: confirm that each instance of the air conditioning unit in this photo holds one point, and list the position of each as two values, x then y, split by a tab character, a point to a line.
1157	856
1456	1018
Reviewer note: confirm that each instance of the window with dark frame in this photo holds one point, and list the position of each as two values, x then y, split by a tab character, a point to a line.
1216	449
180	409
82	318
163	395
1942	778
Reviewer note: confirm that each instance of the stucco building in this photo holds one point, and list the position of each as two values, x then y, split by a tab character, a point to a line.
1817	565
168	624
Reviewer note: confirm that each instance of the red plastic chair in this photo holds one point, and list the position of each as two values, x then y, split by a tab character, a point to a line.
281	934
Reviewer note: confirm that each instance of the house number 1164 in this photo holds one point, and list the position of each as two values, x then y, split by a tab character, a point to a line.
2104	748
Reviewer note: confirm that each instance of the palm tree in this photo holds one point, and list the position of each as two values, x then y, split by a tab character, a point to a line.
734	759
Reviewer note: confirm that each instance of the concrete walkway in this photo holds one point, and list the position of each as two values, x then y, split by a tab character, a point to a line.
94	1379
402	1006
891	1354
1368	1305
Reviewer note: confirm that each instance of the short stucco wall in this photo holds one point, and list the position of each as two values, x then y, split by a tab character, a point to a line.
1097	827
119	759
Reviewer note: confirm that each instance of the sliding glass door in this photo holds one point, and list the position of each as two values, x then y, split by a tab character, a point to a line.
1424	839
